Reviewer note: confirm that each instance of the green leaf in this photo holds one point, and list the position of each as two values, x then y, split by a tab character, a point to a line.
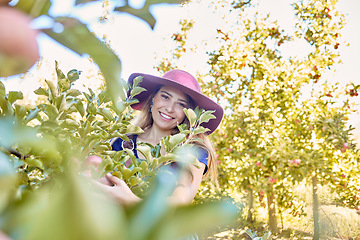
126	173
144	167
149	213
91	108
59	73
73	75
20	111
134	129
102	147
6	107
206	116
187	154
198	218
32	114
7	136
200	129
136	90
91	93
34	162
137	80
117	134
131	155
70	123
135	181
51	125
14	95
170	142
103	97
5	166
51	111
41	91
169	157
60	102
183	128
2	90
191	115
155	151
77	2
106	113
7	181
80	107
88	97
135	170
35	8
52	89
144	12
63	85
72	199
73	92
78	38
145	150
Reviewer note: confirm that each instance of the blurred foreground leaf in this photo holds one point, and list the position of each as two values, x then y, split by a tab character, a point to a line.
78	38
160	221
144	12
69	209
34	8
7	180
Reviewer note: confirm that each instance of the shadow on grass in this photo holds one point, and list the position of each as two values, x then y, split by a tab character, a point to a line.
239	233
335	223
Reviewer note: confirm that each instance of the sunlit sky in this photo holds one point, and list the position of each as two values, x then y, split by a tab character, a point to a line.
135	42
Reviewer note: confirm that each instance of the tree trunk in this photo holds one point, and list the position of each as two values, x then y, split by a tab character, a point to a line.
315	208
272	212
250	218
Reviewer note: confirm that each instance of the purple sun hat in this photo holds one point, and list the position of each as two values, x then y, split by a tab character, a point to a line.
184	82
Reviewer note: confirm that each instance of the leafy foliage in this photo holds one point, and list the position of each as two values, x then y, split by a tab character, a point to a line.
43	152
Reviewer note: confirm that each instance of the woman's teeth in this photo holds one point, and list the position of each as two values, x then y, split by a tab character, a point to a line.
165	116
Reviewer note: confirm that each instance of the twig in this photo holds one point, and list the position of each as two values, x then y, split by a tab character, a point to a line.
17	154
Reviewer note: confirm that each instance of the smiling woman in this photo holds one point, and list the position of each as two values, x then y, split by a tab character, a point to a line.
162	110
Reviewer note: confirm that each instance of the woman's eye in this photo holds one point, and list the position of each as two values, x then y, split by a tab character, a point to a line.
165	96
183	105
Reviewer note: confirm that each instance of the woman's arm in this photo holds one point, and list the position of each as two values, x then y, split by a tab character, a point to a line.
187	186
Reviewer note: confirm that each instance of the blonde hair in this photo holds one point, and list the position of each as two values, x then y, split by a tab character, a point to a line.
144	121
208	146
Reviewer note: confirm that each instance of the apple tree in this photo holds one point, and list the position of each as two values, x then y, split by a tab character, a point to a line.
285	121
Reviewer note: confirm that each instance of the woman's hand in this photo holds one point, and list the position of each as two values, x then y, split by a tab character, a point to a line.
184	193
91	163
117	189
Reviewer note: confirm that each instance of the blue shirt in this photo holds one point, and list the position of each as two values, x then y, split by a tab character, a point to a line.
118	144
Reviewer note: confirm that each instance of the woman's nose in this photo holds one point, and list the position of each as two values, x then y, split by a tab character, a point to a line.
170	107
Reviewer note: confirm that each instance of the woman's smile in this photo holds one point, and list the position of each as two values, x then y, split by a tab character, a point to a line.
165	116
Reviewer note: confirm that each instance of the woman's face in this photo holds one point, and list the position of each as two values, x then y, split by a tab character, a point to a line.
167	109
